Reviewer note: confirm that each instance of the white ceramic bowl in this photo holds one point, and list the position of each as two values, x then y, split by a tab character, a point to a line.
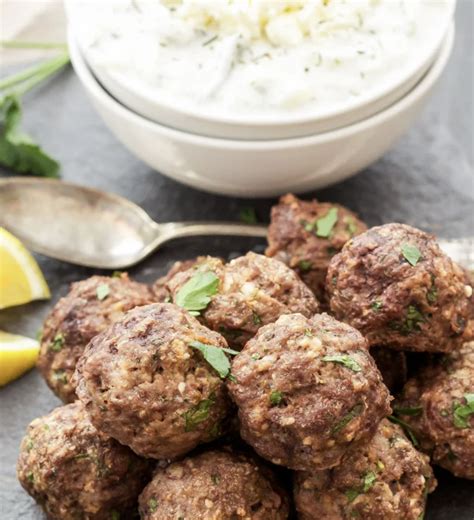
144	100
260	168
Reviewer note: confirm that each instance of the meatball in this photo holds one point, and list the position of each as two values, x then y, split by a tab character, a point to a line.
387	478
145	384
253	290
393	367
217	485
77	473
307	390
438	406
90	307
305	235
395	285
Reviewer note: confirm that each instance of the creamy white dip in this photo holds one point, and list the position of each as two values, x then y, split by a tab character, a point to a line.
239	58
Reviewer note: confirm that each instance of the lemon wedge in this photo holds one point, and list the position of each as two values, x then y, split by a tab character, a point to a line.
17	355
21	280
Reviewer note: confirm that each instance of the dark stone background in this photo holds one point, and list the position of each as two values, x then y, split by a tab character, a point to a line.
426	180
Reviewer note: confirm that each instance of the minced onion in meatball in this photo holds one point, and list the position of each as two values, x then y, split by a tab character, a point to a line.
145	385
75	472
89	308
217	485
305	235
385	479
395	285
253	290
307	390
393	367
438	406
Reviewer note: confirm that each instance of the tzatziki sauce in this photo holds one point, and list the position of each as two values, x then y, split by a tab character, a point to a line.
256	58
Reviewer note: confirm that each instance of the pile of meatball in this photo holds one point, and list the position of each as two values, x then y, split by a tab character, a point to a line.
270	387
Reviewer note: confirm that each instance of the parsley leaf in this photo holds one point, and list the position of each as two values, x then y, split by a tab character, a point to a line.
411	253
58	342
345	360
17	150
102	291
152	505
346	419
324	225
215	356
198	413
406	428
408	410
276	397
376	306
412	321
195	294
305	265
248	216
369	481
462	412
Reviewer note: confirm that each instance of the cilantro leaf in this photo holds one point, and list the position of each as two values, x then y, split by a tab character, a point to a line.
198	413
462	412
345	360
17	150
102	291
276	397
411	253
215	356
195	294
324	225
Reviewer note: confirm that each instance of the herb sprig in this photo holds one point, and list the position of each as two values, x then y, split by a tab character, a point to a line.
343	359
215	356
195	294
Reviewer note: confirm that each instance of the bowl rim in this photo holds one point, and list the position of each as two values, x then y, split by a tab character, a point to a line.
425	60
91	84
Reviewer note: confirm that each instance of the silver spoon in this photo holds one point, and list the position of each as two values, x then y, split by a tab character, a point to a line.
96	229
90	227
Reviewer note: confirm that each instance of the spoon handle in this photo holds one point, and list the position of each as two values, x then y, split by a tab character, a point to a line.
172	230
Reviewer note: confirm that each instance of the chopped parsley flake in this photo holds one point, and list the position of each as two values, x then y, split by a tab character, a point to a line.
351	226
376	306
368	480
325	225
462	412
102	291
432	294
195	294
215	479
412	322
409	410
58	342
276	397
406	428
256	318
352	414
152	505
215	356
198	413
411	254
305	265
345	360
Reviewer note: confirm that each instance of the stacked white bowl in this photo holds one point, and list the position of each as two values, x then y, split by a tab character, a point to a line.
263	153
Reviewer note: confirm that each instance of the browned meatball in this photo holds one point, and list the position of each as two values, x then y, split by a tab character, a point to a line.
144	384
393	367
306	234
77	473
438	405
217	485
253	290
307	390
90	307
395	285
385	479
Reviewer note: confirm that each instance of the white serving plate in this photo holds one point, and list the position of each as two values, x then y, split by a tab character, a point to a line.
260	168
144	100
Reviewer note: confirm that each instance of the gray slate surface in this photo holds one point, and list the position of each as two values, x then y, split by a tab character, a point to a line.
427	180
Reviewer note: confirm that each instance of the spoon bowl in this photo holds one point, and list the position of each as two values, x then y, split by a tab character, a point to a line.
89	227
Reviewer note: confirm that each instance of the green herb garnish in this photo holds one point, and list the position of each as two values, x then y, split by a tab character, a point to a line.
352	414
58	342
60	375
102	291
432	294
30	476
412	321
152	505
195	294
248	216
198	413
215	479
351	226
409	410
215	356
406	428
256	318
305	265
345	360
411	253
376	306
276	397
461	412
368	480
325	225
